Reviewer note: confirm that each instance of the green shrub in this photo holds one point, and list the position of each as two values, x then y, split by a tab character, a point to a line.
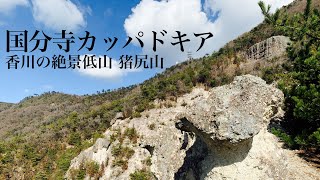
213	83
2	148
141	175
123	163
122	155
288	140
92	168
31	153
136	114
74	138
132	134
7	158
120	151
65	159
41	176
314	138
116	135
78	174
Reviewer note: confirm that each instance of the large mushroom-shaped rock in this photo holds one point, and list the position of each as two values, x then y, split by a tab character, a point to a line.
235	112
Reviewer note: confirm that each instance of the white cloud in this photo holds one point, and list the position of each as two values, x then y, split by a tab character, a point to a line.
190	16
173	15
238	17
8	5
58	14
113	74
277	3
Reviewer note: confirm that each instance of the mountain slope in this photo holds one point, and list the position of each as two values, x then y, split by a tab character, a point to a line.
42	134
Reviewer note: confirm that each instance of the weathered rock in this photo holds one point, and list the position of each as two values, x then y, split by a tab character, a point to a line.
272	47
101	143
94	153
119	116
235	112
216	134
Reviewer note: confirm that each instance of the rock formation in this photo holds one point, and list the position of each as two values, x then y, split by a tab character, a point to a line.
272	47
216	134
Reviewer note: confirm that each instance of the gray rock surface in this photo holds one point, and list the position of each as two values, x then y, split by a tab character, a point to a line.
272	47
235	112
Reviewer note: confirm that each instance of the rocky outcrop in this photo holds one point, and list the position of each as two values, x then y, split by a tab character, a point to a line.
272	47
235	112
216	134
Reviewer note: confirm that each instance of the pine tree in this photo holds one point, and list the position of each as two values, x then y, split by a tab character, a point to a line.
303	94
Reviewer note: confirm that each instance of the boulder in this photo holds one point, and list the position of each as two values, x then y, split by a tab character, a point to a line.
237	111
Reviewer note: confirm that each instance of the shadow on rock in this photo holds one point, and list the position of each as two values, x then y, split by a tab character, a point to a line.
206	153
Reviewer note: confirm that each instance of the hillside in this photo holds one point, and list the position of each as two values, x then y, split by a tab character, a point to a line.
41	135
4	106
236	145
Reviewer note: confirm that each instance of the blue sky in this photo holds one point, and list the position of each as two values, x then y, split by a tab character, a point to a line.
226	19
